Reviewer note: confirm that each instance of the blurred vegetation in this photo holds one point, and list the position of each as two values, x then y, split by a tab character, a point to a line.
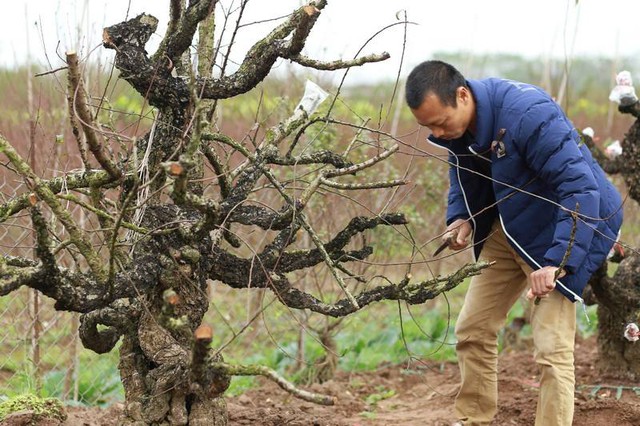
251	328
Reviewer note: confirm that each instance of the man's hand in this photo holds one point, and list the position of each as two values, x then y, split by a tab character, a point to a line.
543	281
461	240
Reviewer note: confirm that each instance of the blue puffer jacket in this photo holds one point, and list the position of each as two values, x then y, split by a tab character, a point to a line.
539	166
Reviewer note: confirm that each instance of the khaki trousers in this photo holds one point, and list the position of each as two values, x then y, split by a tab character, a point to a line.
553	321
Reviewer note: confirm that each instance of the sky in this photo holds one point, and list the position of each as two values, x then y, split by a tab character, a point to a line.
532	28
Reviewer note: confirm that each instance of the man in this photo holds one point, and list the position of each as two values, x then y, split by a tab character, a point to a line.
518	170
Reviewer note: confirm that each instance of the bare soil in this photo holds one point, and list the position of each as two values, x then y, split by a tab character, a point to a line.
422	394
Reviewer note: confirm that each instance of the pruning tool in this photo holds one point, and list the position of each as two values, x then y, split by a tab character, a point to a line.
449	237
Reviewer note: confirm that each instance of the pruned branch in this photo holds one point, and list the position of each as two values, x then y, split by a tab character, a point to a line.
80	108
151	79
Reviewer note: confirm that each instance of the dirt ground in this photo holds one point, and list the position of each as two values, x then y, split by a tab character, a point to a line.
422	395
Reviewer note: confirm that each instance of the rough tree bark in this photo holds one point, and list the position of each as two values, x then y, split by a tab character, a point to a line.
163	237
618	297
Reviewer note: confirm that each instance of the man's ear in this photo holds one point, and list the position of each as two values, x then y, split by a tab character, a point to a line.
463	94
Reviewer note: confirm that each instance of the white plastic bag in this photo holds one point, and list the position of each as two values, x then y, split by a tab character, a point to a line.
313	96
589	132
631	332
624	94
613	149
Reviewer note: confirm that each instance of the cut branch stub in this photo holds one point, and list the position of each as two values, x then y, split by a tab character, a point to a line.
151	79
203	336
204	333
135	32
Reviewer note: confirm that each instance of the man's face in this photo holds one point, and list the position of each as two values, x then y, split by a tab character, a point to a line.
447	122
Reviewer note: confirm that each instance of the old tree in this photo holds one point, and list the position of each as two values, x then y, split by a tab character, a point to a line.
618	297
154	232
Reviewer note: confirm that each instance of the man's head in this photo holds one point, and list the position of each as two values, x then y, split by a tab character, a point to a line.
440	99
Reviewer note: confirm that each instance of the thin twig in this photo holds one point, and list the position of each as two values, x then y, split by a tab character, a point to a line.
50	72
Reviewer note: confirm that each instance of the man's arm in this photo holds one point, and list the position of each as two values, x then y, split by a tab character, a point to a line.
456	206
551	152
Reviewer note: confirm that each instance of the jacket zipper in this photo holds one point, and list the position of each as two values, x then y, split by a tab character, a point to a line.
479	155
576	298
464	195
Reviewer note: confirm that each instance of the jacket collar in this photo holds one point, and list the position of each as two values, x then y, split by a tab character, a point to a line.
484	116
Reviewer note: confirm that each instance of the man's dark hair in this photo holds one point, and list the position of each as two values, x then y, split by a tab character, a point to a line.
437	77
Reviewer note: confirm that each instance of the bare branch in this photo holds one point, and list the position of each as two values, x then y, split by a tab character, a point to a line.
72	291
318	157
239	273
76	234
71	181
14	277
411	293
361	186
206	50
261	370
365	164
182	28
283	42
219	168
339	64
79	107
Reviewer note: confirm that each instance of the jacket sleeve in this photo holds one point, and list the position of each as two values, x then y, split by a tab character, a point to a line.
549	145
456	207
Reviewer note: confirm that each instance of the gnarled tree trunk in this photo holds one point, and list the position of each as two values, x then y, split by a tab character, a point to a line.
143	281
618	297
